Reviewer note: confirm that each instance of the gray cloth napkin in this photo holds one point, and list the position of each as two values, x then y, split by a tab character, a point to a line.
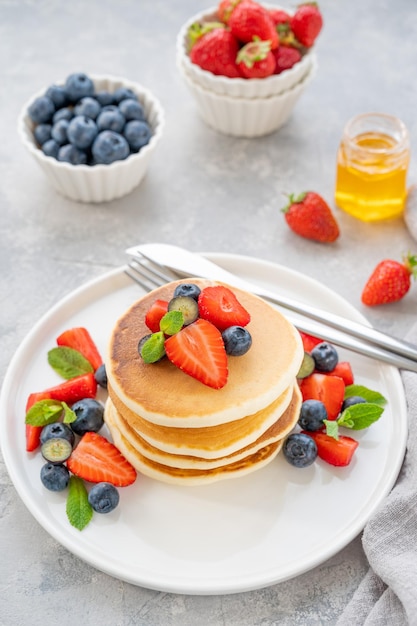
388	593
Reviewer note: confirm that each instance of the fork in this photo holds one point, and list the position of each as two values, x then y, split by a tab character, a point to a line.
150	275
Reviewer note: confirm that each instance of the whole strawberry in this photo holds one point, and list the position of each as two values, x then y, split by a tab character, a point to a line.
249	19
389	281
306	23
255	60
225	9
309	216
216	52
285	58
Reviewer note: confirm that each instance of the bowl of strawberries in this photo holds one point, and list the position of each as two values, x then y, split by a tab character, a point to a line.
243	51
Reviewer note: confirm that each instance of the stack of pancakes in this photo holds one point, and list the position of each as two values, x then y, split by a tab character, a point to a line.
173	428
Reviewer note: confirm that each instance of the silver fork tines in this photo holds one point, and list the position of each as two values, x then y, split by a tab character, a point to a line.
143	272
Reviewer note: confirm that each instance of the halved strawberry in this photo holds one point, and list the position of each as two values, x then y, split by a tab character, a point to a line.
344	370
155	313
81	340
33	437
329	389
309	341
337	452
198	350
70	391
220	306
33	433
98	460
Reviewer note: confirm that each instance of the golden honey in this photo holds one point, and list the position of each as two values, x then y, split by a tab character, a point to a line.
372	164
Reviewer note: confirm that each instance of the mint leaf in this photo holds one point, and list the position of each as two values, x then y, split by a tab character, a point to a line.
172	322
367	394
359	416
44	412
332	428
69	415
79	510
153	348
68	362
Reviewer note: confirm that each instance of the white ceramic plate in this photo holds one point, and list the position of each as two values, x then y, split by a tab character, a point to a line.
227	537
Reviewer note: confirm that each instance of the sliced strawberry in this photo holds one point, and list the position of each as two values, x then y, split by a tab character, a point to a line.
329	389
344	370
309	341
98	460
33	433
220	306
70	391
155	313
80	339
337	452
199	351
33	437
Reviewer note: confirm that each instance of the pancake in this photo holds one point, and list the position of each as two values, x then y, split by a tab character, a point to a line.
281	427
162	394
181	476
175	429
207	441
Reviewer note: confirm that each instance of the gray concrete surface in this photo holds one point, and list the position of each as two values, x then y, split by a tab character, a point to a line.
204	191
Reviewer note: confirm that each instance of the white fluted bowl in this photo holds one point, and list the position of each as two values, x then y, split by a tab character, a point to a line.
246	117
237	87
98	183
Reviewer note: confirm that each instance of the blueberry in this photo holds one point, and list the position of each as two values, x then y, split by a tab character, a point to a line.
187	306
72	154
237	340
54	477
82	131
312	415
42	133
109	146
137	134
41	110
63	114
307	366
187	289
132	109
78	85
89	414
104	98
51	148
300	450
101	376
103	497
56	450
59	132
111	118
57	429
141	343
325	356
58	96
347	402
88	106
124	93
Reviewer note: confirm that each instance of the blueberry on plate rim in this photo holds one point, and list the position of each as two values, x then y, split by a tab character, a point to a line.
103	497
300	450
54	477
90	416
325	356
312	415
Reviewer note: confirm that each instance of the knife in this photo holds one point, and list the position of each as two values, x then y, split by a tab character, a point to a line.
188	264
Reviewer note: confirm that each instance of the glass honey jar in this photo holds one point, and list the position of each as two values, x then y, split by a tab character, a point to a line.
372	164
